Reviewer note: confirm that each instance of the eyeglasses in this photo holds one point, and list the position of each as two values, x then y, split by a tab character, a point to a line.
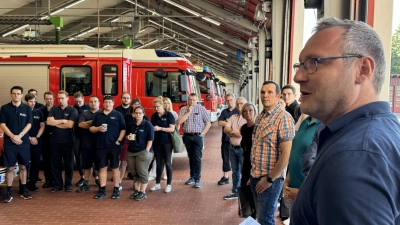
311	64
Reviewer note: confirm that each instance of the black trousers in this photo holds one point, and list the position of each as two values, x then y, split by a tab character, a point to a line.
34	165
226	165
46	155
163	154
62	152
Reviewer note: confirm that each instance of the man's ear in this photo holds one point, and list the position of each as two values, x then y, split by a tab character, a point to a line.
366	68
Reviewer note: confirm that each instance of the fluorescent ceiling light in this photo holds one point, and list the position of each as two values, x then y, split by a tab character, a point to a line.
81	34
218	41
44	17
16	29
173	21
75	3
197	42
165	48
106	46
147	44
192	12
115	20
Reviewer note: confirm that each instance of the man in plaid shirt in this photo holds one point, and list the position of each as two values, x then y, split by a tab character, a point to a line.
196	124
272	141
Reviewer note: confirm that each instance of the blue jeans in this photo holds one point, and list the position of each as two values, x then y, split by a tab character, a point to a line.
266	202
194	148
236	158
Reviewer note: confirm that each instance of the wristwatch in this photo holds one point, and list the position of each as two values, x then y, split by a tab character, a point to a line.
22	134
269	179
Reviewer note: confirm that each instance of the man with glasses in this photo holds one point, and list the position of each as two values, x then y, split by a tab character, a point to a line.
126	103
222	120
16	121
355	176
109	126
62	119
196	124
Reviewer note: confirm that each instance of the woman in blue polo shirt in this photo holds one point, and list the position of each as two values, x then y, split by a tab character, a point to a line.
140	134
164	123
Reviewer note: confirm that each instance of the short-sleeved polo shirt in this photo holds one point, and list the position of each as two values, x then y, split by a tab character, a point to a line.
144	133
63	135
15	118
84	108
37	118
225	115
88	138
161	137
115	123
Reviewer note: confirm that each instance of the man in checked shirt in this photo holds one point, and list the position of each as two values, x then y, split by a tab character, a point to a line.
272	140
196	124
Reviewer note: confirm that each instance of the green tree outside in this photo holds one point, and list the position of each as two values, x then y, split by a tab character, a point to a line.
395	53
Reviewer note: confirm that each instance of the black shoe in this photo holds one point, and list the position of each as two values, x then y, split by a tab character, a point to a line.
83	188
224	180
80	182
55	189
115	194
133	195
140	196
25	195
8	198
231	196
68	188
40	180
33	188
101	194
190	181
130	177
97	181
48	184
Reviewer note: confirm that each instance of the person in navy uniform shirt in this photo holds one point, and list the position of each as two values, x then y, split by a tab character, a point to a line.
81	106
125	107
109	125
35	140
46	137
16	121
38	105
62	119
164	123
89	143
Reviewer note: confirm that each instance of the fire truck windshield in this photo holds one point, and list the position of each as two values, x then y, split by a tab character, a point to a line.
166	86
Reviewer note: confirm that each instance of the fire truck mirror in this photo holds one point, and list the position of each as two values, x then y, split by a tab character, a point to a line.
208	86
184	97
160	73
183	83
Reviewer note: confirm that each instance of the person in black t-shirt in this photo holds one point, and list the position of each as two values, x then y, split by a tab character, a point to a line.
126	103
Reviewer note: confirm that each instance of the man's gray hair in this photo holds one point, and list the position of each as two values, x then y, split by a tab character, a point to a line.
230	94
359	39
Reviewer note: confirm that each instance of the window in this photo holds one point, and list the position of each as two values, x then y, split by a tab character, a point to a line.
76	78
166	87
195	86
203	86
110	79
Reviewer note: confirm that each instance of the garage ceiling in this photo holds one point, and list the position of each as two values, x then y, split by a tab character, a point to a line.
214	32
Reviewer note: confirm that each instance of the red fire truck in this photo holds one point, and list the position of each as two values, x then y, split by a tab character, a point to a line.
145	73
209	94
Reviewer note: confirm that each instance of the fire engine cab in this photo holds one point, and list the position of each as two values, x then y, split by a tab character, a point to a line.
145	73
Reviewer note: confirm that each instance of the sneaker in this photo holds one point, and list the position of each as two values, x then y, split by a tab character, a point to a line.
197	184
190	181
133	195
151	178
120	186
40	180
97	181
33	188
155	187
231	196
48	184
68	188
165	177
101	194
168	189
83	188
7	198
140	196
55	189
26	195
80	182
224	180
115	194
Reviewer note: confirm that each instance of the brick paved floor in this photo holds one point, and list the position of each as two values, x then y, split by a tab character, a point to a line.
184	205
